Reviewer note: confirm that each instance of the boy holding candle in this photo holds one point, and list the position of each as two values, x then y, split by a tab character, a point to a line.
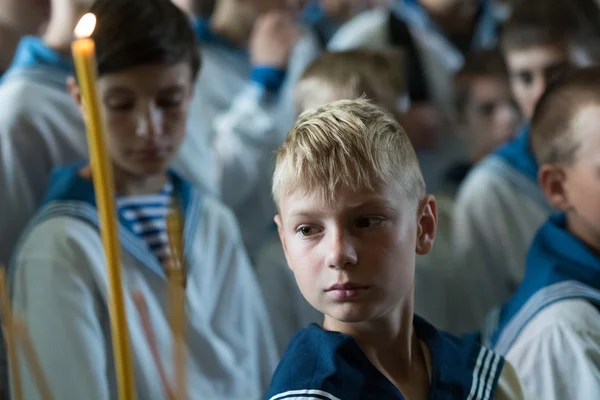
147	62
550	328
353	214
37	109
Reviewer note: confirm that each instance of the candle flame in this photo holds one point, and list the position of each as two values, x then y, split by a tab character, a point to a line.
85	26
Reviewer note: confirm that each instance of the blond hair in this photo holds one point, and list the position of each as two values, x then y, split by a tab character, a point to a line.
350	144
379	75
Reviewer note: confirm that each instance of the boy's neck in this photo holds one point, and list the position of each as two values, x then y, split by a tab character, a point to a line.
9	40
129	185
392	346
232	22
59	31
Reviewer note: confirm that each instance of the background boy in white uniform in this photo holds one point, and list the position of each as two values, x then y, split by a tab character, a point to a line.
550	328
500	206
147	61
253	53
40	126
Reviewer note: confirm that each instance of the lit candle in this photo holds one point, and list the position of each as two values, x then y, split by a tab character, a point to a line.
85	65
10	339
176	278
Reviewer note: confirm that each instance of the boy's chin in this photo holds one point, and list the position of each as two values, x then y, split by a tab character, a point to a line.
350	314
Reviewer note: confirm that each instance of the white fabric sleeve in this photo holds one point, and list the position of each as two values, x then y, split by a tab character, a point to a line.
23	174
493	226
557	356
369	29
510	387
54	292
239	315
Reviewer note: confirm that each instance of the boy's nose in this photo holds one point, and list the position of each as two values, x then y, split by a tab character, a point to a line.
341	250
149	122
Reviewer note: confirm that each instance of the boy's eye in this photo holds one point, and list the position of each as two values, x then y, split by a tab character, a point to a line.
119	104
368	222
487	109
307	231
526	77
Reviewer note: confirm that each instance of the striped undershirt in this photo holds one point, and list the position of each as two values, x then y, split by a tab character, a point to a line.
147	216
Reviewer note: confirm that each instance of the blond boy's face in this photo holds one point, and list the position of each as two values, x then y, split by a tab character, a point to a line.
354	259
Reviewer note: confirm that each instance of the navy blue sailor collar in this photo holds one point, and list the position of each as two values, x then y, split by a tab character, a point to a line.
333	364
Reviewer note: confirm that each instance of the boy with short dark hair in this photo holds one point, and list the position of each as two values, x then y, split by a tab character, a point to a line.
550	328
500	205
147	62
353	214
486	114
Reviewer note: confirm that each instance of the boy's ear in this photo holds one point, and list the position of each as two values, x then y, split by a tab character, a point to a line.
426	225
74	91
282	239
552	181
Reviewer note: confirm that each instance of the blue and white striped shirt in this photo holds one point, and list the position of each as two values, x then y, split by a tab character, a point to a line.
147	216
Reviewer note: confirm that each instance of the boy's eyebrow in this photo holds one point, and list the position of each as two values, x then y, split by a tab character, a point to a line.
117	90
377	202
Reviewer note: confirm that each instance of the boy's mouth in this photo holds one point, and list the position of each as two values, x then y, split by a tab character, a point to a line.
151	152
346	286
344	291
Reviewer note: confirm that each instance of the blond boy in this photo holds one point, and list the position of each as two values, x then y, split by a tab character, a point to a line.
379	76
353	214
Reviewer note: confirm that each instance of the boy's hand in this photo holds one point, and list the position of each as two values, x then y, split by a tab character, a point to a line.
273	39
